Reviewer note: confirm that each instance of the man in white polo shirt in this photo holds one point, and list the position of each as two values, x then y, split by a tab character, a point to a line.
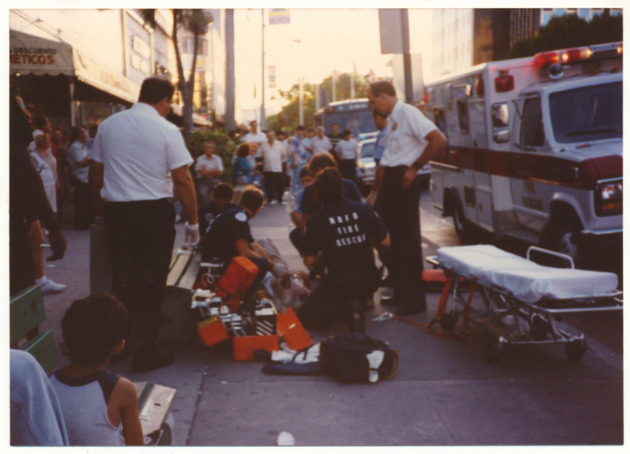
412	141
273	155
137	158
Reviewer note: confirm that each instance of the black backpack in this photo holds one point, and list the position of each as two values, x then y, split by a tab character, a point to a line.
348	356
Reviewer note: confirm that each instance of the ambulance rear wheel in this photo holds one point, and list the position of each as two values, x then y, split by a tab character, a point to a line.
462	227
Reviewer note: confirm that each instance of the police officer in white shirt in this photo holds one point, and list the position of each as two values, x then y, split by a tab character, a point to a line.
138	159
412	141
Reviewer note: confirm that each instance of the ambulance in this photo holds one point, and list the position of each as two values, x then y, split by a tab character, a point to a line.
534	149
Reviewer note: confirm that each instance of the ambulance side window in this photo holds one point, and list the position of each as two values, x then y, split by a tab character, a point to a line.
500	122
462	116
532	133
439	118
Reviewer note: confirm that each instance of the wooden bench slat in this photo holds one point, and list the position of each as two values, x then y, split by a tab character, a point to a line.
156	406
188	279
178	267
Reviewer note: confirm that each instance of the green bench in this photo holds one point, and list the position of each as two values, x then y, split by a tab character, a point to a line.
26	314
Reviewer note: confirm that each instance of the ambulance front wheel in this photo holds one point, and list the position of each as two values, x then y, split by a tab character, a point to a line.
560	238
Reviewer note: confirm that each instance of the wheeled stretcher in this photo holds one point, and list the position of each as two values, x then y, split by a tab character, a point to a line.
521	299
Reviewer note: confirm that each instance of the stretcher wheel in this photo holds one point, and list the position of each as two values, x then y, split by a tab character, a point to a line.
493	351
448	321
576	349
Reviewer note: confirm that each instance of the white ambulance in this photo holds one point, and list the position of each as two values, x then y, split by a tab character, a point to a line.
534	148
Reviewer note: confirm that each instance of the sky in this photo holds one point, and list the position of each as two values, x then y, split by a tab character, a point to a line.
312	46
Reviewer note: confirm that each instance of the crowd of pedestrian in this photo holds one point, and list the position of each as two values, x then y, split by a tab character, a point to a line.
336	232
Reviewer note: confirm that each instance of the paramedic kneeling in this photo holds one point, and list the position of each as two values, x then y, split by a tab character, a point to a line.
229	234
343	233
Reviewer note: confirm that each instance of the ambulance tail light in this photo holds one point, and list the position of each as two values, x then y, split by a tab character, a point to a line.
479	88
504	82
609	198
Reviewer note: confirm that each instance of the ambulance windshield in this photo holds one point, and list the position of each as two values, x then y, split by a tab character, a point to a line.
588	113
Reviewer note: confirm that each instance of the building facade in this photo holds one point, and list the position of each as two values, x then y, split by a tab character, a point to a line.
78	66
465	37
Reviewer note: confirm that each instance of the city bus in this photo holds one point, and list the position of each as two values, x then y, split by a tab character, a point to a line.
352	114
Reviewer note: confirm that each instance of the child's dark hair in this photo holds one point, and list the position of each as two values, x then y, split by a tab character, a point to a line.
304	172
223	191
92	327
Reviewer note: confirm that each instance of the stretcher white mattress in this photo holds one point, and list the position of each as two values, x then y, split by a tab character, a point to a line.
526	280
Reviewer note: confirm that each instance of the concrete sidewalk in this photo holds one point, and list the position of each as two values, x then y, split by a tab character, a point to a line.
444	394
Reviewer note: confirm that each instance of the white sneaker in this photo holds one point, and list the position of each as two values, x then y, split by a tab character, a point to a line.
273	202
50	286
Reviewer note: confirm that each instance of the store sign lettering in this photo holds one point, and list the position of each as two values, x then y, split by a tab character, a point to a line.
31	59
32	56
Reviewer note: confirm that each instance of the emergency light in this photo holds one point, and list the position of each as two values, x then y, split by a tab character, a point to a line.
543	60
504	82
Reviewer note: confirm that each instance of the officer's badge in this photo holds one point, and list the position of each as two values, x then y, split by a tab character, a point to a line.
240	217
395	126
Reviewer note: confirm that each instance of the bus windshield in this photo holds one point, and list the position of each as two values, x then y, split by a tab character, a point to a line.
357	117
587	113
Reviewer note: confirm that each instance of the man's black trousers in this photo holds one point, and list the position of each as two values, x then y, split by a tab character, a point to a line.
330	302
400	210
140	238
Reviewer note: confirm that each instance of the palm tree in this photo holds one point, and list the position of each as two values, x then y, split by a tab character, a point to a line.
196	21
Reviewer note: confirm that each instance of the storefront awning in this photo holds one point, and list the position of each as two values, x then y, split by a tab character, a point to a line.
29	54
198	120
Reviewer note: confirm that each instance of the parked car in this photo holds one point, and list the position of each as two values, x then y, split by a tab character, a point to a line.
367	167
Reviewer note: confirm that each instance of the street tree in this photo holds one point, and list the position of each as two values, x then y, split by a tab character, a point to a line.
570	31
195	21
288	117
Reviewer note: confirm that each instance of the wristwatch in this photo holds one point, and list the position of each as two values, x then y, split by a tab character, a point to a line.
416	165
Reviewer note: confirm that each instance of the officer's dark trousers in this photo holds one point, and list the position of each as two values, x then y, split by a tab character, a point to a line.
330	302
399	209
140	238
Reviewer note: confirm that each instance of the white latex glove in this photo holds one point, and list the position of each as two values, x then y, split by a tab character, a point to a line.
191	236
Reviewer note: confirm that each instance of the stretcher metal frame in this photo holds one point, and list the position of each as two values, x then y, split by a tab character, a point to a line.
511	321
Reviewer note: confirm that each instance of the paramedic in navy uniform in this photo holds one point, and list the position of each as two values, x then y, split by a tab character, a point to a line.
229	235
138	160
412	141
343	233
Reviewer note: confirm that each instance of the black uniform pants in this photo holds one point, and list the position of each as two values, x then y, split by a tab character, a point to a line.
140	238
400	210
83	213
330	302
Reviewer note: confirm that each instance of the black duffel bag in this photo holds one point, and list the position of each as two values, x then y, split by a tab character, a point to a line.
358	358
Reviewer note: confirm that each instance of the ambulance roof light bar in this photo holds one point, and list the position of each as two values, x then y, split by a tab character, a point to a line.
543	60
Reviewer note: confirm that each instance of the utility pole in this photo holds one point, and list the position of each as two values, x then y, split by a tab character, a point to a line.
404	19
263	117
230	122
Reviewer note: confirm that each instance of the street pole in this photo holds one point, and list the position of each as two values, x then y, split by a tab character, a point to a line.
263	117
404	19
230	121
301	100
